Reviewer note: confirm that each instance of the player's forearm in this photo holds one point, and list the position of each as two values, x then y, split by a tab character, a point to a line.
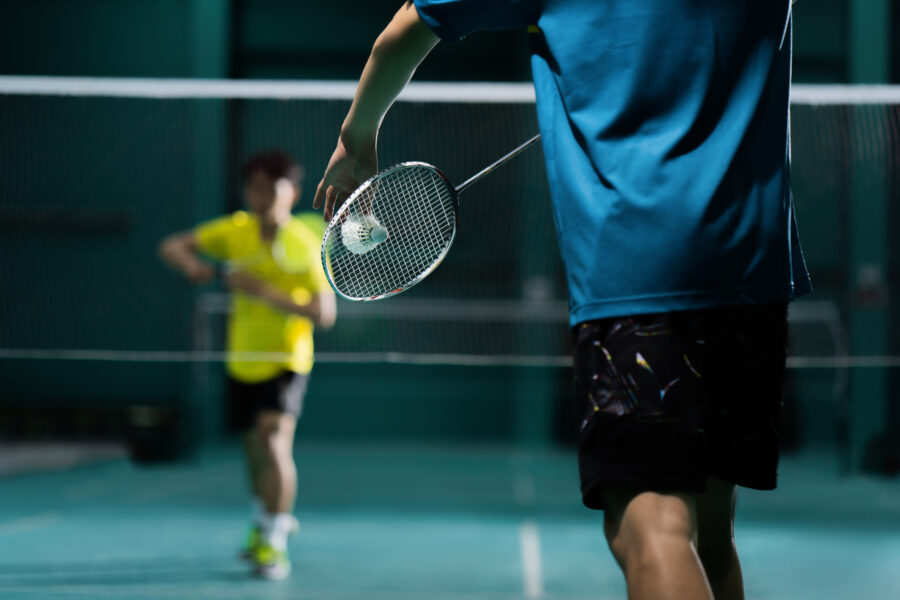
326	310
178	254
321	310
397	52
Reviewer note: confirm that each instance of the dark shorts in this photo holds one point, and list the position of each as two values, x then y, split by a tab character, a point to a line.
283	393
665	400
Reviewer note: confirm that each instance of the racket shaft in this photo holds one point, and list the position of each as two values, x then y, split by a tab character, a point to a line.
495	164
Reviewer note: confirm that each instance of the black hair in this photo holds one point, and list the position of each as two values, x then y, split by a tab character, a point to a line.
275	164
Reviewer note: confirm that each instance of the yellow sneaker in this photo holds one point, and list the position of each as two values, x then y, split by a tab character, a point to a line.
254	538
269	562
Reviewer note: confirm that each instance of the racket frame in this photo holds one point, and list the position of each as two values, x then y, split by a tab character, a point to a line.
334	224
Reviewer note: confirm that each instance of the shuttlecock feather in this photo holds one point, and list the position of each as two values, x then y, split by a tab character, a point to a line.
362	233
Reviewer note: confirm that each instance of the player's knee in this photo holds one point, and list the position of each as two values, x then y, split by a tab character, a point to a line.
648	528
277	446
275	434
649	548
264	431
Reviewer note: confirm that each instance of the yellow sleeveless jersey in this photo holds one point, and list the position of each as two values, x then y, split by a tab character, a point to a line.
255	325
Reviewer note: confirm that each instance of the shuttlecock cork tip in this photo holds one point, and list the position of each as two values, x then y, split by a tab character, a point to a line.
378	234
362	234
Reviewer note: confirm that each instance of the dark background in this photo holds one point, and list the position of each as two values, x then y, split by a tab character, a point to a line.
89	185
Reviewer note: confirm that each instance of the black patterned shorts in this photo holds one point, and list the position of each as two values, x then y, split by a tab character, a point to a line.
665	400
283	393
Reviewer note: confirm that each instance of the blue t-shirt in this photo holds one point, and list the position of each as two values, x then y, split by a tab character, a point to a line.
665	126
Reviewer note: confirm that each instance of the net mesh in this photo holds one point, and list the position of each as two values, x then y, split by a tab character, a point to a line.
90	185
414	208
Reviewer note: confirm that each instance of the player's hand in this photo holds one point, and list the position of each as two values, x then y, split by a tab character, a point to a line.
350	165
198	271
241	281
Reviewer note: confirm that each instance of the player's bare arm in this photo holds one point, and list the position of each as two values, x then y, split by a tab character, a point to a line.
180	251
396	54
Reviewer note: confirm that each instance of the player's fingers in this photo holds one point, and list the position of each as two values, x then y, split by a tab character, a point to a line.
320	194
334	203
330	197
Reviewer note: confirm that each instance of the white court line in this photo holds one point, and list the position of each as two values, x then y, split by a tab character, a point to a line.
532	570
28	523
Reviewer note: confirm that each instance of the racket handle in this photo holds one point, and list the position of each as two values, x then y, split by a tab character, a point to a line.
461	187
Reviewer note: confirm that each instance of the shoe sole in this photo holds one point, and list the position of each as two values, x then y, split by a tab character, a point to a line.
272	575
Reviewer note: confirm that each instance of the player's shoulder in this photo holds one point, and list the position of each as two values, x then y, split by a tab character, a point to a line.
311	221
241	218
237	221
308	226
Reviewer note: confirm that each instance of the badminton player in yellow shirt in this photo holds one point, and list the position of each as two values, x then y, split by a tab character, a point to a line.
279	293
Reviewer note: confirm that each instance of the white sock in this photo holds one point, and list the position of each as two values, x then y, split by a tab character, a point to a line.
276	528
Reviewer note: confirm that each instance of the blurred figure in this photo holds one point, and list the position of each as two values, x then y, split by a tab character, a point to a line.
279	293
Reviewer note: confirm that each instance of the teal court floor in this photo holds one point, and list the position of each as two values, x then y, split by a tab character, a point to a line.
413	522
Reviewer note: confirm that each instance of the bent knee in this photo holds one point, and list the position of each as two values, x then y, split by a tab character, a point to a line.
275	434
649	525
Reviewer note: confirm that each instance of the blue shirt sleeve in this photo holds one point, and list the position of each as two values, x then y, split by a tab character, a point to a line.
455	19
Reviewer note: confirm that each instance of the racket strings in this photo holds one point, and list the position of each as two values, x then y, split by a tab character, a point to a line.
416	207
413	204
432	239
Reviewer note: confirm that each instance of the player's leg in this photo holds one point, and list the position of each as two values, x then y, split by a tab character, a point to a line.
715	539
274	442
241	411
277	406
641	447
274	434
253	460
743	427
651	535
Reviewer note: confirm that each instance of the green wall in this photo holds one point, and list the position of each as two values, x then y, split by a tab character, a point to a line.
128	172
137	38
835	40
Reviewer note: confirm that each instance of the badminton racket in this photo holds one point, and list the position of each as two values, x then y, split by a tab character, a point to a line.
395	229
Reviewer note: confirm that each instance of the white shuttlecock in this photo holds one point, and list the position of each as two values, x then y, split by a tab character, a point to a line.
361	233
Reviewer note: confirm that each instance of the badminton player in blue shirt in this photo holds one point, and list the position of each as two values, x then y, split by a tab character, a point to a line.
664	125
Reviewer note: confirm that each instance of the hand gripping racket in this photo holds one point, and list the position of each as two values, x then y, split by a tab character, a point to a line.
395	229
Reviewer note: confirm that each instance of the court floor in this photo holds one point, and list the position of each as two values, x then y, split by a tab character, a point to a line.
413	522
